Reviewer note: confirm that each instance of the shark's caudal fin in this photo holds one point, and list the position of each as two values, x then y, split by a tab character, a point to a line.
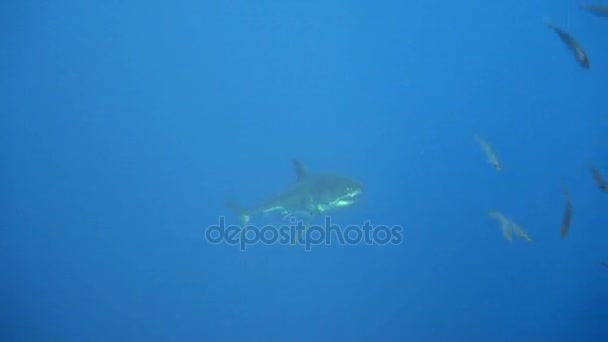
242	212
301	170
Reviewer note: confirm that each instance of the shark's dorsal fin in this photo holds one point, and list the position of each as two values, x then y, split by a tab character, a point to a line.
301	170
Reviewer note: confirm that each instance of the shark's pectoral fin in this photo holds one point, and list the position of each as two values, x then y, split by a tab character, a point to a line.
311	216
295	215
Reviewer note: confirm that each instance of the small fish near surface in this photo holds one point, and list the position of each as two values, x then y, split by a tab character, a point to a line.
598	10
573	44
491	154
567	218
312	194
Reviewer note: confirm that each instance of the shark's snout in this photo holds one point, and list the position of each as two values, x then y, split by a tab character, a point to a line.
354	190
354	193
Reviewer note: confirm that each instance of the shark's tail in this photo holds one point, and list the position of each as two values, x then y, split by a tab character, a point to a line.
242	212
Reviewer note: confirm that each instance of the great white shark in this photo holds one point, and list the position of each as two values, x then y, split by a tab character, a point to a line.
311	195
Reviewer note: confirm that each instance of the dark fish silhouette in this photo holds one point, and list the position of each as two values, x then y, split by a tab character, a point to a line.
599	179
567	218
599	10
579	52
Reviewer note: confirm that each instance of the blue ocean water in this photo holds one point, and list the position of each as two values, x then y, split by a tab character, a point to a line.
125	127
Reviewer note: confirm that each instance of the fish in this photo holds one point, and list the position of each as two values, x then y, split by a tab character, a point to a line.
312	194
521	233
507	231
573	44
598	10
509	227
491	154
599	179
567	217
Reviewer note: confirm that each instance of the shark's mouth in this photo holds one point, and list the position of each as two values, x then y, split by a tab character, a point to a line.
347	199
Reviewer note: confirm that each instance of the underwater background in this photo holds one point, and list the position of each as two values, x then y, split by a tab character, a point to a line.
126	126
